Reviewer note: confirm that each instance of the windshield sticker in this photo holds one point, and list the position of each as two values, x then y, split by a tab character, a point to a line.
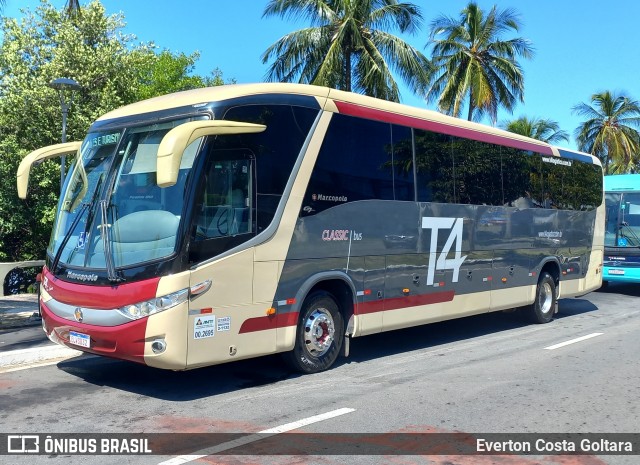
82	240
204	326
105	139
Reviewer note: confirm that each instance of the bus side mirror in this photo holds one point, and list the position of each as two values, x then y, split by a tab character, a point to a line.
175	142
40	155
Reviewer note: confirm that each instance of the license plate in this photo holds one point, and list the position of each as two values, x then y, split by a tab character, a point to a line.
616	271
79	339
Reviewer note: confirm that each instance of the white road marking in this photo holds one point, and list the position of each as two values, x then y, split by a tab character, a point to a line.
258	436
573	341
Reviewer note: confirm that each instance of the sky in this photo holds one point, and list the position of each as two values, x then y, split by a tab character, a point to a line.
581	47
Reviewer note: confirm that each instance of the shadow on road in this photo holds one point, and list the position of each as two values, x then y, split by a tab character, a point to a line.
264	371
628	289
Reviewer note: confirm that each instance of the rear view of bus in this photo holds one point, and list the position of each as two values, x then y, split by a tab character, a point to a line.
622	237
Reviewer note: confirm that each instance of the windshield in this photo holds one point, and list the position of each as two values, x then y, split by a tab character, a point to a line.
112	208
622	219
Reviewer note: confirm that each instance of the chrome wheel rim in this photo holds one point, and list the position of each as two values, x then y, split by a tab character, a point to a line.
546	298
319	332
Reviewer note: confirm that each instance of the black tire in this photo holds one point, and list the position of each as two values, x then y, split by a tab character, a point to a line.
543	308
319	335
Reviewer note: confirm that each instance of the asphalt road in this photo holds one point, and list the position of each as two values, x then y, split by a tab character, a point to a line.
479	375
24	337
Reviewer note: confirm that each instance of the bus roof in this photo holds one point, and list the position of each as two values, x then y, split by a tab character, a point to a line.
622	182
354	104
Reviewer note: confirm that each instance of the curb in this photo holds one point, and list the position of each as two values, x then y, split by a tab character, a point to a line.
19	319
36	355
19	310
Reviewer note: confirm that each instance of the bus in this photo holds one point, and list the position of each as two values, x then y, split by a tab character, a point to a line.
237	221
622	230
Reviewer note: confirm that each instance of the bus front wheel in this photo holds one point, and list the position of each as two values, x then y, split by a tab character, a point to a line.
319	335
543	308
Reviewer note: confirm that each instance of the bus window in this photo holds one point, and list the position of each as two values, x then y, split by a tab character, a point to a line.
358	161
434	167
521	178
226	200
478	178
276	149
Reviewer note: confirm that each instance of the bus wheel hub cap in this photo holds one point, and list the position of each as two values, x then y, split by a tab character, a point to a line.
319	332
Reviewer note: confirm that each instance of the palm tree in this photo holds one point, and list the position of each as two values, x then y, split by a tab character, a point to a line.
72	8
474	66
545	130
610	131
347	46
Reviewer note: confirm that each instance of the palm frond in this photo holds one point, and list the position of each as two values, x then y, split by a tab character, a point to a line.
350	46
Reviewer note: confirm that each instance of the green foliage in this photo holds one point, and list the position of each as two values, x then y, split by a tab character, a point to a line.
611	131
169	73
545	130
474	65
89	47
347	46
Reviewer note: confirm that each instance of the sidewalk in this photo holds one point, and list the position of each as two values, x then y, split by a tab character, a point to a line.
18	313
19	310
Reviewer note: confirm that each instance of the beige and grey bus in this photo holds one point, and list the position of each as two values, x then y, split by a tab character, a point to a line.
232	222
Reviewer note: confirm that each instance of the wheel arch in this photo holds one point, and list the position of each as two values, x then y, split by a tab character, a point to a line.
551	265
336	283
339	287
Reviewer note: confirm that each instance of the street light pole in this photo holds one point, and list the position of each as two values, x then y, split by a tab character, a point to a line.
65	88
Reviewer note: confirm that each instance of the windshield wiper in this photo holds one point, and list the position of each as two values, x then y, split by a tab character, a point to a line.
112	276
75	222
67	236
630	233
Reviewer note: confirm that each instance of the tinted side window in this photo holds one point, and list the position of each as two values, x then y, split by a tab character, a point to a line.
434	167
356	162
403	180
276	149
559	183
521	178
587	186
478	177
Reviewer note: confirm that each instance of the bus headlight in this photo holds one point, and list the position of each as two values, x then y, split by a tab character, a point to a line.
157	305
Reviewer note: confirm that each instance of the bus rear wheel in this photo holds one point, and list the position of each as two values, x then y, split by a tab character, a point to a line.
543	308
319	335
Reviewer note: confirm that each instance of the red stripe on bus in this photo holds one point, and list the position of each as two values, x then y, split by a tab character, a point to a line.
373	306
411	121
263	323
282	320
125	341
404	302
100	297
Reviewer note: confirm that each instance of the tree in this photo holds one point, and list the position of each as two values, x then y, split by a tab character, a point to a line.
610	131
73	8
347	46
474	65
47	44
169	73
545	130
